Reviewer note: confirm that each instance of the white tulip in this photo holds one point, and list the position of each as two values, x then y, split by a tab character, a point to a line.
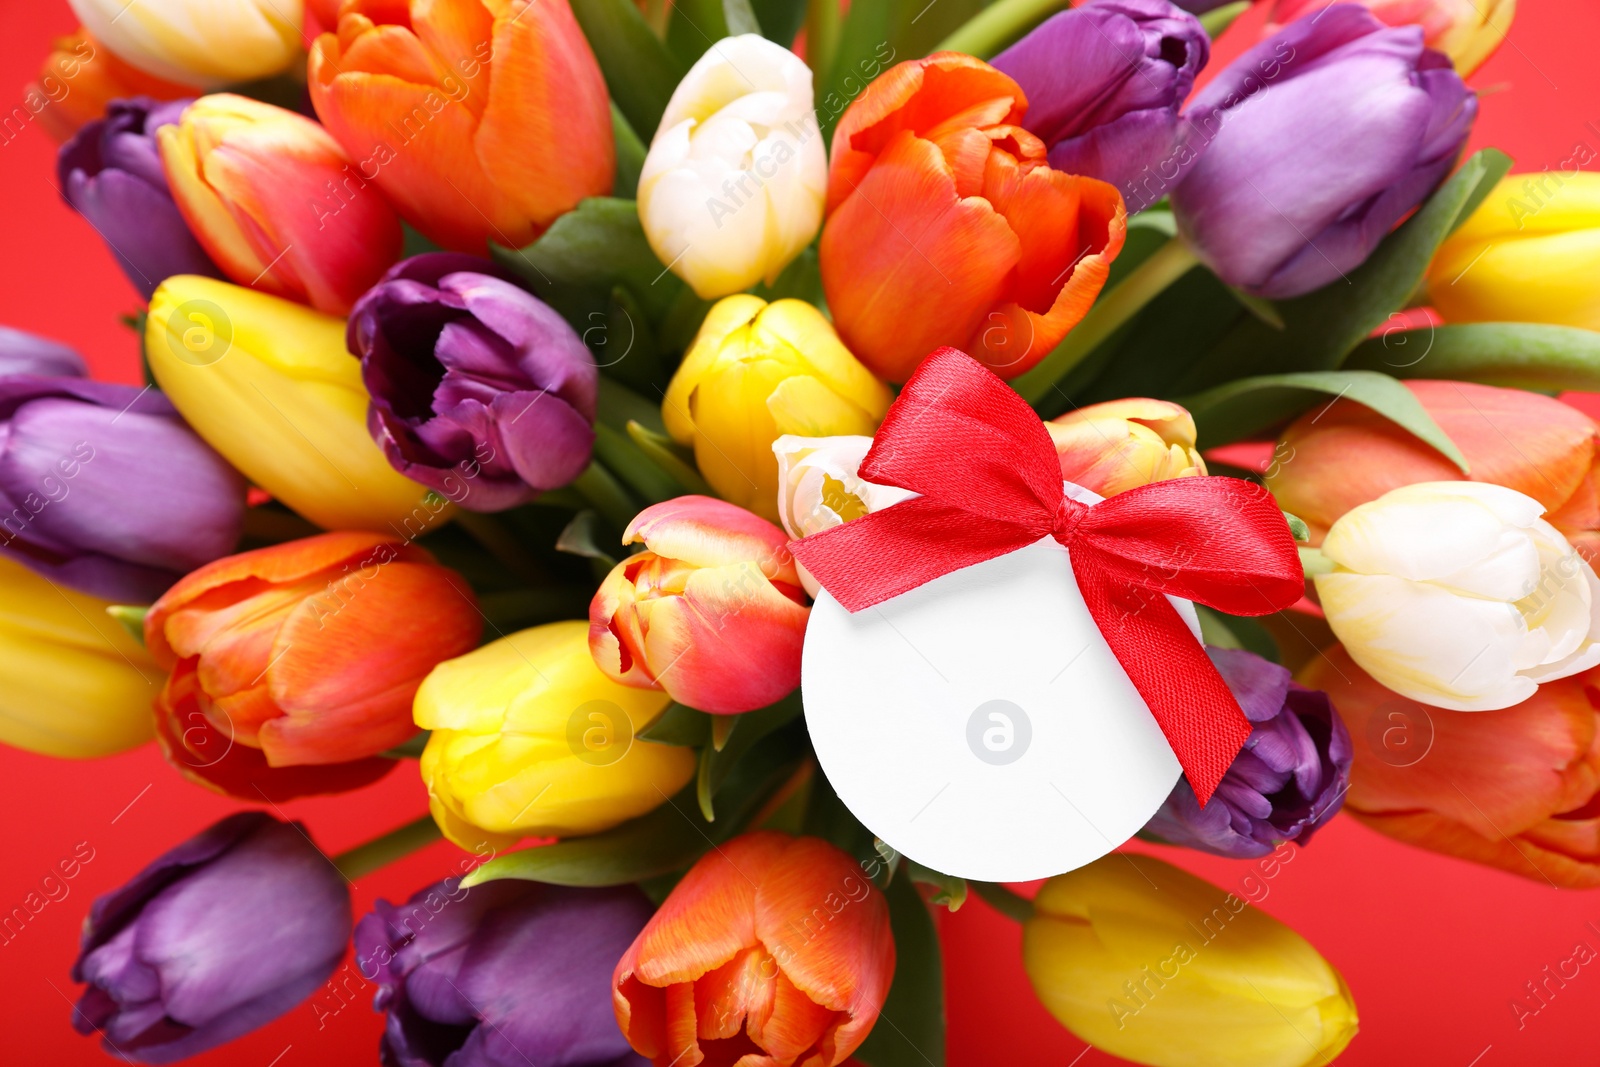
733	186
204	43
1458	595
818	487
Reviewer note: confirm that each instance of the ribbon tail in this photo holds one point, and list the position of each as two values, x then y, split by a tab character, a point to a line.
1192	705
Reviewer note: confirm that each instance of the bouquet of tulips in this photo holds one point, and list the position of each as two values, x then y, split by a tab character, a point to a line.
502	355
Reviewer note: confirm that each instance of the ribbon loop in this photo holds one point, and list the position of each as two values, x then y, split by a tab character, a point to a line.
990	483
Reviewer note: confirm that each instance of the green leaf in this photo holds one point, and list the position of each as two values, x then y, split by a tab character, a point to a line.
948	890
665	454
582	537
1231	631
1298	528
130	618
619	405
780	19
910	1029
679	725
800	280
693	26
988	31
1515	355
625	345
865	50
639	70
1217	20
634	466
1244	408
630	155
754	727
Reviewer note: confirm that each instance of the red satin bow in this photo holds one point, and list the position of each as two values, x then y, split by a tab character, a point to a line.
990	483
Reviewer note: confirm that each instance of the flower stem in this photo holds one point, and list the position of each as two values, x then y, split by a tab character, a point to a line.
822	35
1143	284
1313	562
1011	905
382	851
997	25
602	490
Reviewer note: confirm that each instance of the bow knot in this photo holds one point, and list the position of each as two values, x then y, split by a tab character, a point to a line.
989	483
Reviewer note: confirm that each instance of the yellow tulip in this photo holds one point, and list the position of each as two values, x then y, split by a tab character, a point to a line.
268	383
205	43
1121	444
1150	963
755	372
73	683
530	739
1530	253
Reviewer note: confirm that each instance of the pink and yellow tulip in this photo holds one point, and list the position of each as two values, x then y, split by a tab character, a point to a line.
1121	444
712	611
1468	31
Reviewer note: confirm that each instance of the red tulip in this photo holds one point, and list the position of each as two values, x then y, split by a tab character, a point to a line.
947	227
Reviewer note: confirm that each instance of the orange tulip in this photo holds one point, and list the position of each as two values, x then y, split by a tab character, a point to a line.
947	227
302	653
80	78
1333	459
479	119
1517	789
771	950
1115	446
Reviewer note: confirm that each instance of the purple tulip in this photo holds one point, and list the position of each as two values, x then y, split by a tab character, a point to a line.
27	353
1314	144
1289	779
110	172
1200	7
1104	84
474	382
105	488
502	974
221	935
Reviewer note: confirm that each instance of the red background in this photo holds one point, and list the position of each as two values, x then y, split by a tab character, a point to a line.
1433	949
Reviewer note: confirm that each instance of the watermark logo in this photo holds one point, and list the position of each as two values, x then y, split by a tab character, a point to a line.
999	732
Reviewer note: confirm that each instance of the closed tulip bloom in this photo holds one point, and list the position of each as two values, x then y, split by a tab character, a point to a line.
103	488
268	383
1458	595
308	651
479	390
1525	255
481	120
1149	963
1104	83
1289	778
1121	444
216	937
772	949
505	972
277	203
946	225
73	683
1312	145
79	81
755	372
110	172
1518	790
530	739
820	486
711	611
1330	461
204	43
28	353
1468	31
733	185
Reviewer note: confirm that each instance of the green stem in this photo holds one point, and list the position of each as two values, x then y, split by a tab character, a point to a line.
493	534
1143	284
999	24
822	34
1003	900
602	490
1216	21
382	851
1314	562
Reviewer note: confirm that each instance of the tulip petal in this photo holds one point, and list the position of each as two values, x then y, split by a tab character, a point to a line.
705	532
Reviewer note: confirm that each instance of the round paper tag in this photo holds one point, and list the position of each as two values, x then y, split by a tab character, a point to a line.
981	725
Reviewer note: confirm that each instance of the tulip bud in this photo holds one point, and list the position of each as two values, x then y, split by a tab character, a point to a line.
711	611
268	384
1111	447
276	202
1149	963
103	488
110	172
73	684
1517	790
28	353
529	738
1468	31
530	963
204	44
946	226
1312	145
217	937
740	957
479	390
1528	254
1104	84
757	371
481	121
81	79
1289	778
733	185
820	486
307	652
1459	595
